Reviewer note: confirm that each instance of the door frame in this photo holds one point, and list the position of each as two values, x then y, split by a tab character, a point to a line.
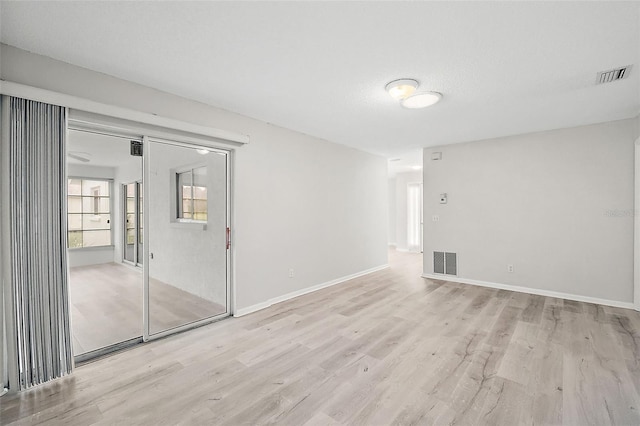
136	213
146	141
636	226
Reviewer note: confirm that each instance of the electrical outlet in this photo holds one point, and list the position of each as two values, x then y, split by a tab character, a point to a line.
435	218
510	268
290	273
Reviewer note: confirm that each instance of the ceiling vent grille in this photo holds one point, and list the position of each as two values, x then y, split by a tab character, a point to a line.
613	75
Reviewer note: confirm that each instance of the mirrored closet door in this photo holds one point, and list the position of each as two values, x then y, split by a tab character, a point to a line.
147	256
106	289
187	227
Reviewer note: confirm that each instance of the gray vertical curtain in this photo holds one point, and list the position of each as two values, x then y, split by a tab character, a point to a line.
38	233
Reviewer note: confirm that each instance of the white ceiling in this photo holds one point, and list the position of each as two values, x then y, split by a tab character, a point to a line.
410	161
321	67
101	150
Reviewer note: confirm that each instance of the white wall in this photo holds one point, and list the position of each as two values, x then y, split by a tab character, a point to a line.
391	191
554	204
401	215
300	202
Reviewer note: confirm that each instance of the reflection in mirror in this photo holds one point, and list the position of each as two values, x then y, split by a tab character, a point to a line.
105	291
187	221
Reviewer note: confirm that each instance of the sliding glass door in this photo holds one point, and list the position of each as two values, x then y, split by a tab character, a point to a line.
187	235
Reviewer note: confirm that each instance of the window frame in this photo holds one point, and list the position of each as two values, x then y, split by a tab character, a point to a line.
92	199
176	192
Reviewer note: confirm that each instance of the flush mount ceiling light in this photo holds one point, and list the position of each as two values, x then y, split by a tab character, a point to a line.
400	89
404	90
202	151
421	100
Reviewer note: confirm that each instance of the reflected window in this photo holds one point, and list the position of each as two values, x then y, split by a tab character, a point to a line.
192	194
88	212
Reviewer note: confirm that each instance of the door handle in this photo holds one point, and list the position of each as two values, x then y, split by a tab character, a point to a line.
228	238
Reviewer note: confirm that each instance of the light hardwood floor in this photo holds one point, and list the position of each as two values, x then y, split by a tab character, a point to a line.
387	348
106	306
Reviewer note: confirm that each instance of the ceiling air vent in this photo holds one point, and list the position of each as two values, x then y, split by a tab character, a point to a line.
613	75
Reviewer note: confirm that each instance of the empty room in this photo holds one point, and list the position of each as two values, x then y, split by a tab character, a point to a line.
319	213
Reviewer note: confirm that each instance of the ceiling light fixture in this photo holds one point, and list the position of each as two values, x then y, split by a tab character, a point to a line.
202	151
404	90
421	100
400	89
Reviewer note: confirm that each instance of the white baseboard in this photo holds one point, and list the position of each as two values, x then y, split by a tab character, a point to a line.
539	292
259	306
251	309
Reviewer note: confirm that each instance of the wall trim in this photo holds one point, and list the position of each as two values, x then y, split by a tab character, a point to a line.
539	292
76	103
263	305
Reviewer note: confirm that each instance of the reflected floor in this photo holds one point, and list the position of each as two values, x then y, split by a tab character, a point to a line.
106	306
172	307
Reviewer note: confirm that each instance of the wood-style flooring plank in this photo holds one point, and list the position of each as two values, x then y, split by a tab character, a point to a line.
386	348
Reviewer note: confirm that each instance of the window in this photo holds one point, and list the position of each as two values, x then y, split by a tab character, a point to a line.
192	194
89	213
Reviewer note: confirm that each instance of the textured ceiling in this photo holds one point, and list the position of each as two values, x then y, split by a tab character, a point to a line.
321	67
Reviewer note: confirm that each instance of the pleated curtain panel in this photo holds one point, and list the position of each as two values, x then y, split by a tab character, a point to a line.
39	283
